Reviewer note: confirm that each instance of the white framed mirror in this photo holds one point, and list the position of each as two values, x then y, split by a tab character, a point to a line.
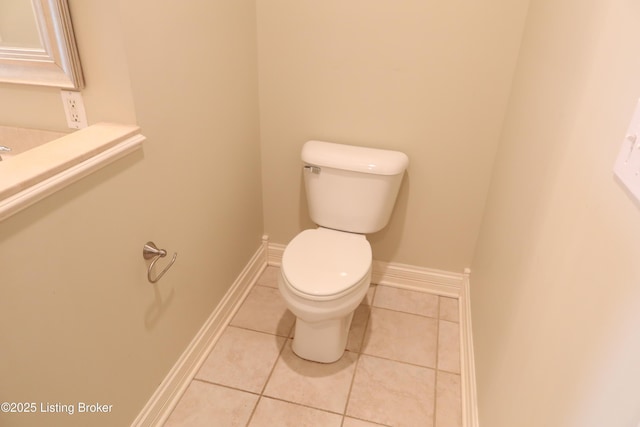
37	45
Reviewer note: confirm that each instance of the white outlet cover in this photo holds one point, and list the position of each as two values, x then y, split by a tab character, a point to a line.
627	166
74	109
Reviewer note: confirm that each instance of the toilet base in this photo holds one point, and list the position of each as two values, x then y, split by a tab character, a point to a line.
323	341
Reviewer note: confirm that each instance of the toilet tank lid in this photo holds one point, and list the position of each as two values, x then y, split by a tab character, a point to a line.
354	158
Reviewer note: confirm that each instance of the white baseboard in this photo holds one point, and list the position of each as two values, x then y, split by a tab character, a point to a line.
274	254
421	279
467	359
167	395
443	283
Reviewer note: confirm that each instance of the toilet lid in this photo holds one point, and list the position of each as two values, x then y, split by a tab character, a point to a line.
324	262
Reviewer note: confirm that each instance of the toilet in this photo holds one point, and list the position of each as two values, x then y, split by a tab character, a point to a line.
326	271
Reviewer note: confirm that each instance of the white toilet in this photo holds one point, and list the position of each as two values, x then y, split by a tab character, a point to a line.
326	271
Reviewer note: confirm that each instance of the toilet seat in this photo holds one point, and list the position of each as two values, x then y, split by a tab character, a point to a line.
321	263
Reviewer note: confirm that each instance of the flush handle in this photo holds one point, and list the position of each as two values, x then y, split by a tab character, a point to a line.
312	169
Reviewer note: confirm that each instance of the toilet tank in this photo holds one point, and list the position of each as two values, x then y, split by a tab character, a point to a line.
351	188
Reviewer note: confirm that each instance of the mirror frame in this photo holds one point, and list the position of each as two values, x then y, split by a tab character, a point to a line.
57	64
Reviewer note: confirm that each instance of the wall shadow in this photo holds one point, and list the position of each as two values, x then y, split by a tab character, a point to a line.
387	241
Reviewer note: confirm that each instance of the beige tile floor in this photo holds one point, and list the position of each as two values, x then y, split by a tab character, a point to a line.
401	367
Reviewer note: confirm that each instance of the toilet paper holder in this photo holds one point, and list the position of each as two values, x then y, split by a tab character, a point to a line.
151	251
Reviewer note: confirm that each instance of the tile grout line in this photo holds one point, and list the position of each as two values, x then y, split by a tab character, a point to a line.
409	313
373	356
436	316
359	353
303	405
264	386
244	328
355	369
200	380
344	414
261	395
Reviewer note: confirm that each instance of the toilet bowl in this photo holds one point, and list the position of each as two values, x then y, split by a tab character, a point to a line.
325	275
326	271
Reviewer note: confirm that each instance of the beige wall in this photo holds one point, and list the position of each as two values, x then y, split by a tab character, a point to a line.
80	321
424	77
555	280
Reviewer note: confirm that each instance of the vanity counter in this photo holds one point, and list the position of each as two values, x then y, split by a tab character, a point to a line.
38	172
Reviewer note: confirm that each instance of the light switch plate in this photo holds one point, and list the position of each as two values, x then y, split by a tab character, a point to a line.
627	167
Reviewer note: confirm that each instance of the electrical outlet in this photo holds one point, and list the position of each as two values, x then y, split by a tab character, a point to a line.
74	109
